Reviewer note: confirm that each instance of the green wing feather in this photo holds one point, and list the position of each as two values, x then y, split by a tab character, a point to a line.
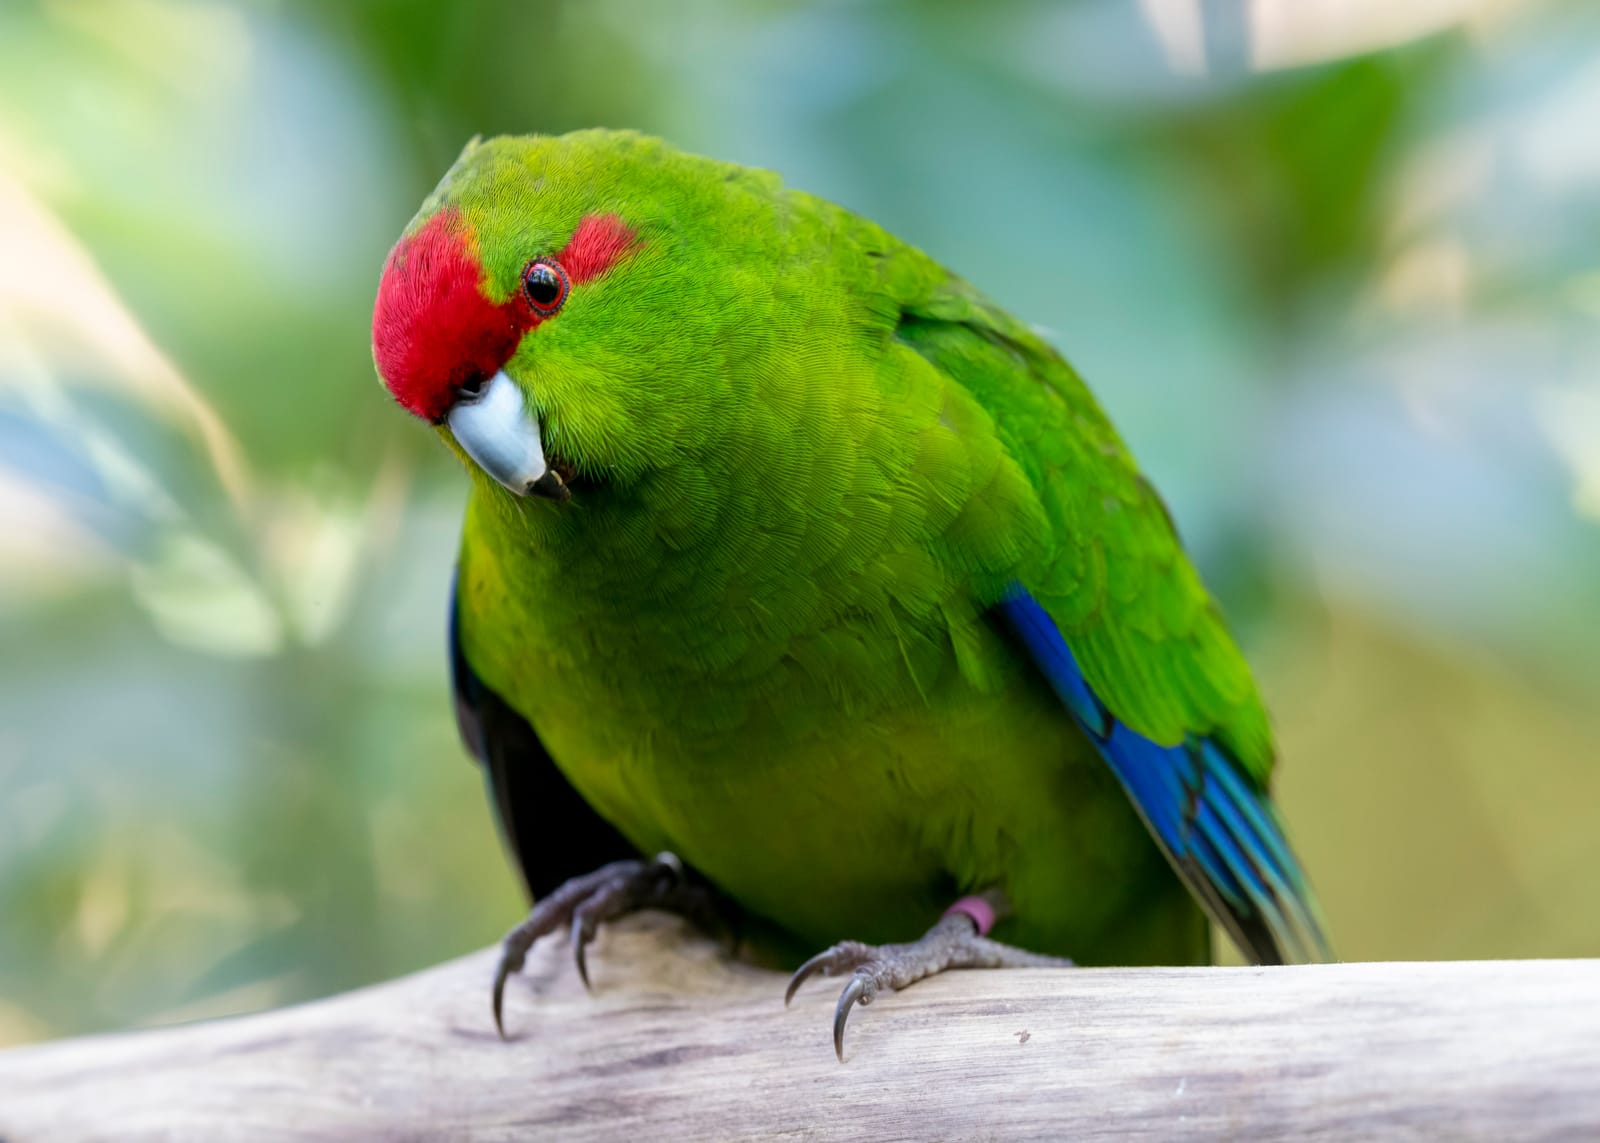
1113	575
1132	620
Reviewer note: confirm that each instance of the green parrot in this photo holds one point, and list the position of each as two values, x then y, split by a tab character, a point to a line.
794	560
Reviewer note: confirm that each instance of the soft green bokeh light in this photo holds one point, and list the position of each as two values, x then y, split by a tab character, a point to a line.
1346	313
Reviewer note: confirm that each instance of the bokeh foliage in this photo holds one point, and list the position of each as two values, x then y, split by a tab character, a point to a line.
1337	280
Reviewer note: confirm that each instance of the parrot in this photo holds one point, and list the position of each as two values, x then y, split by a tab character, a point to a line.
799	579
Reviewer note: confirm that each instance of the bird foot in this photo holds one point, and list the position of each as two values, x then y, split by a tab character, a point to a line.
612	891
955	942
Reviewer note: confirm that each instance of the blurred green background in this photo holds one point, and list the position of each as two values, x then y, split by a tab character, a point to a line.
1332	265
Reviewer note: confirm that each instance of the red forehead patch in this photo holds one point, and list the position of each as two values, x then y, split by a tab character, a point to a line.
433	330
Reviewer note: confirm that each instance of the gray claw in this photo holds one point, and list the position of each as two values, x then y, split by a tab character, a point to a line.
585	902
804	973
952	942
857	990
580	942
502	974
829	962
511	960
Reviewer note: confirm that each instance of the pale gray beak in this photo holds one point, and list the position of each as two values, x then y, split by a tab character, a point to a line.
496	428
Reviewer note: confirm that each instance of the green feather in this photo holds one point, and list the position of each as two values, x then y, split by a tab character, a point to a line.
812	460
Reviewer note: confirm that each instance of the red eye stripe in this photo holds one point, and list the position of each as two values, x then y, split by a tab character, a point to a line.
597	245
434	331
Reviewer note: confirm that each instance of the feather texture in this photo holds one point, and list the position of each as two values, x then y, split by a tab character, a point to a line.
1214	825
551	831
813	466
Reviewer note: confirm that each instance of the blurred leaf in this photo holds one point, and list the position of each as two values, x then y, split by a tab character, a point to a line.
1330	265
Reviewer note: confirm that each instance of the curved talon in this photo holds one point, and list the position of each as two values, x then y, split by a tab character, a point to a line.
581	935
805	972
502	974
841	957
854	991
952	942
584	903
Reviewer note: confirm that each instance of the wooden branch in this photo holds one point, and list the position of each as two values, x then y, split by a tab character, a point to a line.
678	1043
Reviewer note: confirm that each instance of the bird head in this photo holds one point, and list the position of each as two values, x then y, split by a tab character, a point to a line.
543	309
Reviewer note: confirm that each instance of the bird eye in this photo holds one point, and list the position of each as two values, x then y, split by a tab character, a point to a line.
472	384
546	286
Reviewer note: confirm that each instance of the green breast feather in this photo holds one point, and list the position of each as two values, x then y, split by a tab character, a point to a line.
858	599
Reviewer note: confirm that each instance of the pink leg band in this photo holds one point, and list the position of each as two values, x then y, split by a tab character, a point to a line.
981	912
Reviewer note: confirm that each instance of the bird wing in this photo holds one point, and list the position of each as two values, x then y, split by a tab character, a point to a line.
1115	617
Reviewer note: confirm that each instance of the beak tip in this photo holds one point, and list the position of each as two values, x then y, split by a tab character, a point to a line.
498	431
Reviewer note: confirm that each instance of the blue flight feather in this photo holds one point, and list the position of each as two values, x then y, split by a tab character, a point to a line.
1218	830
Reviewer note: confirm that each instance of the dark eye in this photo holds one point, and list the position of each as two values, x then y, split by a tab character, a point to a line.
473	384
546	285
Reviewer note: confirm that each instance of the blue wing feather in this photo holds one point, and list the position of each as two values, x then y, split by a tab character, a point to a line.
1218	830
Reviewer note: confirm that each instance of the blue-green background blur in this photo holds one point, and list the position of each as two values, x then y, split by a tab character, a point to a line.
1332	265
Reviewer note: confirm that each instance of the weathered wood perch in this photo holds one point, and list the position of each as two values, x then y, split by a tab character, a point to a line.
677	1042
